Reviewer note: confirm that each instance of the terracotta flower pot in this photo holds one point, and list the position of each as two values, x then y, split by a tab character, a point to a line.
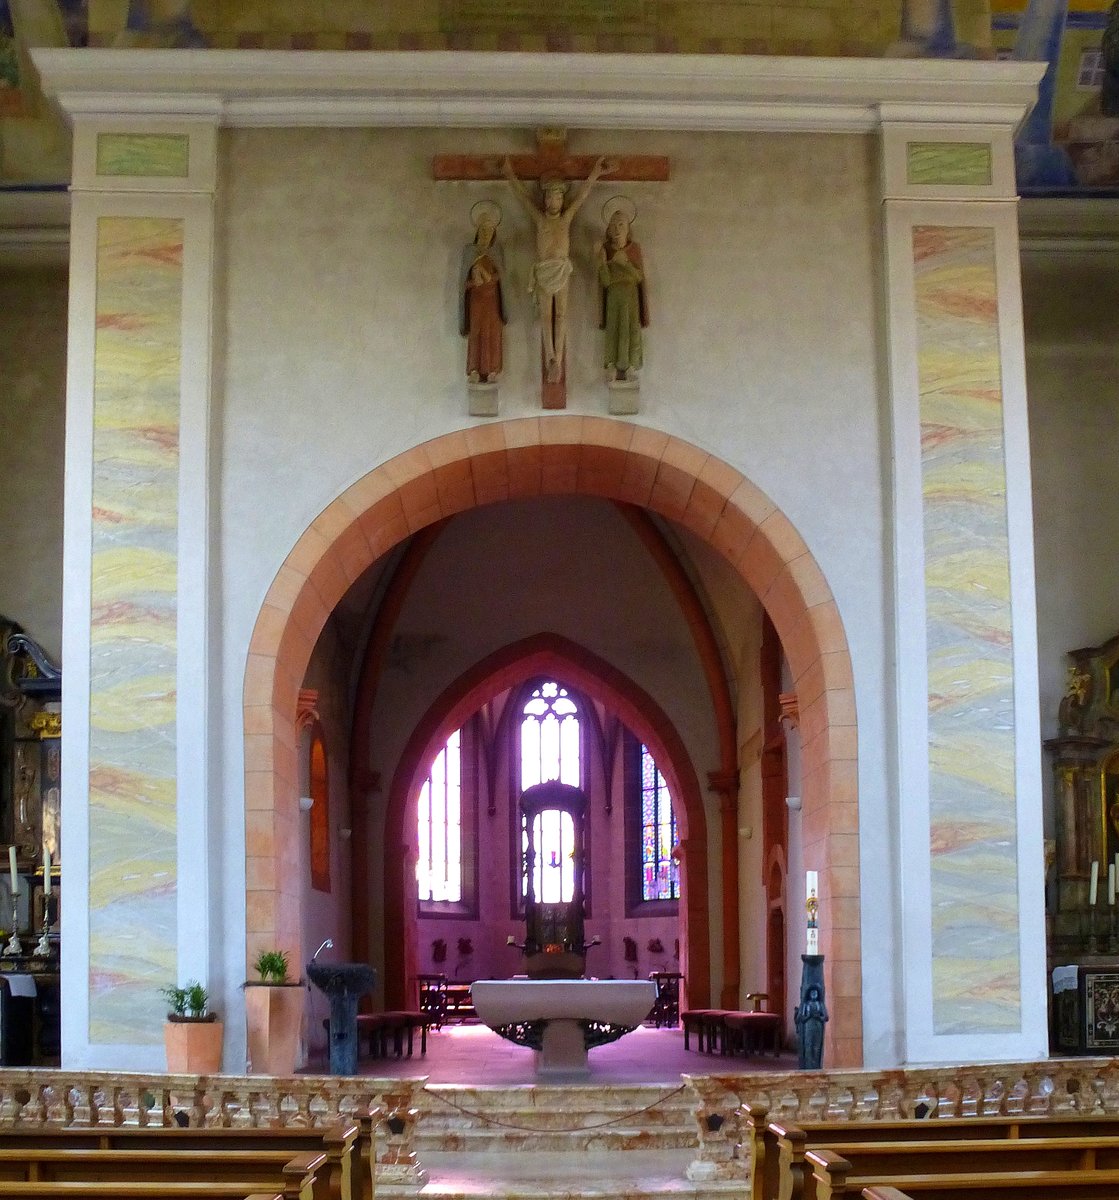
274	1015
193	1047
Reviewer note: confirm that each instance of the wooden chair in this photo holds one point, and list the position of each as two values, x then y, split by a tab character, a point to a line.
433	999
666	1007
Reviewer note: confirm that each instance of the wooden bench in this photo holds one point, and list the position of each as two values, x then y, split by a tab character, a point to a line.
132	1189
395	1027
348	1148
844	1170
1016	1185
776	1150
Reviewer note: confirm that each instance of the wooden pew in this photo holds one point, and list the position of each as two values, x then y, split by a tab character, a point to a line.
158	1166
142	1190
349	1147
836	1178
776	1150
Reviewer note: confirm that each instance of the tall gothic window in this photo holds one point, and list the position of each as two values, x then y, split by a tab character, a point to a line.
319	791
551	749
439	865
652	873
660	872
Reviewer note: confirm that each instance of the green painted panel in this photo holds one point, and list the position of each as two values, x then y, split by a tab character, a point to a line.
144	155
955	164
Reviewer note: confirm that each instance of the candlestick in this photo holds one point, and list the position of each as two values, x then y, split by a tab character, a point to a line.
1093	882
46	872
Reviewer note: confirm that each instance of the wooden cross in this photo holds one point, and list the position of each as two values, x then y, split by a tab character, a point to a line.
551	160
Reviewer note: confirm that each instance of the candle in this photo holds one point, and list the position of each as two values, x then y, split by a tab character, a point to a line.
1093	879
811	885
12	868
46	872
1111	883
813	942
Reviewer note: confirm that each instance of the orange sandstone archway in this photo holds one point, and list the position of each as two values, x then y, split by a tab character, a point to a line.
555	455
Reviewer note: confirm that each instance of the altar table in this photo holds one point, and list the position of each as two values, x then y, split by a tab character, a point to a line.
563	1018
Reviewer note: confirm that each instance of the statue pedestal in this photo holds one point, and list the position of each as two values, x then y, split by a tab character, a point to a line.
625	397
563	1056
483	399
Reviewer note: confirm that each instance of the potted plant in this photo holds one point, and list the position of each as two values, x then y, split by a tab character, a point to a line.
192	1034
274	1015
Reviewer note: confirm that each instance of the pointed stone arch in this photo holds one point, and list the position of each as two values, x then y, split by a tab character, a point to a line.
557	455
548	654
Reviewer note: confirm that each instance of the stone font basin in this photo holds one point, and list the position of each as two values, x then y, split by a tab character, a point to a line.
342	979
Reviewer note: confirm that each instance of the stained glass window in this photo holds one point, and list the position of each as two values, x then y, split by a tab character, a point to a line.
660	872
550	750
550	737
439	864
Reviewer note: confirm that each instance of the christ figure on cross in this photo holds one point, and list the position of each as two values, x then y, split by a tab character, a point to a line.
552	271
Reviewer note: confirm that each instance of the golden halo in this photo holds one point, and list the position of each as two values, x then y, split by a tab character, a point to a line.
484	208
622	204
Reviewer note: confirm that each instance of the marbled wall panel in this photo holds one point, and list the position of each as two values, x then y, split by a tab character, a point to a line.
967	581
132	791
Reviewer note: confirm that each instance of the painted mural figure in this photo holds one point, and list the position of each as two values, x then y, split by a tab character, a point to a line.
552	271
621	278
481	300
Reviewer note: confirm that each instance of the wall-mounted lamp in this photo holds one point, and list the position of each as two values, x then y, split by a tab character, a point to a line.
793	802
345	834
306	803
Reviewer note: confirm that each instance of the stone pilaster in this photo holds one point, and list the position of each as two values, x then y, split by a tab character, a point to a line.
136	562
968	784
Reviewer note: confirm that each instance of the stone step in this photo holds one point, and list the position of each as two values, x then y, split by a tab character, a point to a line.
554	1119
547	1175
613	1139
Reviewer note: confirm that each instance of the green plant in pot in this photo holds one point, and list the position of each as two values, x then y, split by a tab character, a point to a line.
273	1015
193	1034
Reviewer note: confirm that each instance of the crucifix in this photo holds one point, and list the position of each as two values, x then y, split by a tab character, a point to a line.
553	168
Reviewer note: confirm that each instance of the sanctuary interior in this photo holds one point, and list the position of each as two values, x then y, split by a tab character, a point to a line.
777	564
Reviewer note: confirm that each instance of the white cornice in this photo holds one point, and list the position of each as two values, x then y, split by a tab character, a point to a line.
453	88
34	228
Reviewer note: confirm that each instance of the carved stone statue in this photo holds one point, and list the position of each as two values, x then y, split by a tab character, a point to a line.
810	1016
481	299
552	271
621	278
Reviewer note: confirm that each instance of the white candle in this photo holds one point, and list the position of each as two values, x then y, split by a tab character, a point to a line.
1093	879
811	885
46	872
12	868
813	942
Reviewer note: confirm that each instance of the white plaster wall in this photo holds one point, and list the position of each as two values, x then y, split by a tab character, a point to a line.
341	350
32	424
1072	364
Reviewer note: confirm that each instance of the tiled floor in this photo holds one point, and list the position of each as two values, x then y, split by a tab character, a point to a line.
475	1054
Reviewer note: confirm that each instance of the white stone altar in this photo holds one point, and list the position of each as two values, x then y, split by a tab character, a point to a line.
561	1005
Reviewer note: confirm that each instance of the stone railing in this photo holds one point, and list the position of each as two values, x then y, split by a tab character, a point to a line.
1054	1087
95	1099
91	1099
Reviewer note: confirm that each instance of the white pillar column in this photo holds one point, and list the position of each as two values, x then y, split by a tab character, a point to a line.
136	895
969	789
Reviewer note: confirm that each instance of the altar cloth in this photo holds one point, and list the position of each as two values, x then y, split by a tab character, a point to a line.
612	1001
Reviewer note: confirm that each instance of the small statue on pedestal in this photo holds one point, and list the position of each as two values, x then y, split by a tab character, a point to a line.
624	308
482	303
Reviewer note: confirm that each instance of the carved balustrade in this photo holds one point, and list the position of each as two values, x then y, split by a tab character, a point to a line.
1056	1087
91	1099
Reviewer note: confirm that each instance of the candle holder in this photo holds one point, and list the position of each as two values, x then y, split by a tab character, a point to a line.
1112	931
811	1014
14	948
1093	931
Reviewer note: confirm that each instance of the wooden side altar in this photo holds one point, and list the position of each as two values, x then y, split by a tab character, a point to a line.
1082	876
